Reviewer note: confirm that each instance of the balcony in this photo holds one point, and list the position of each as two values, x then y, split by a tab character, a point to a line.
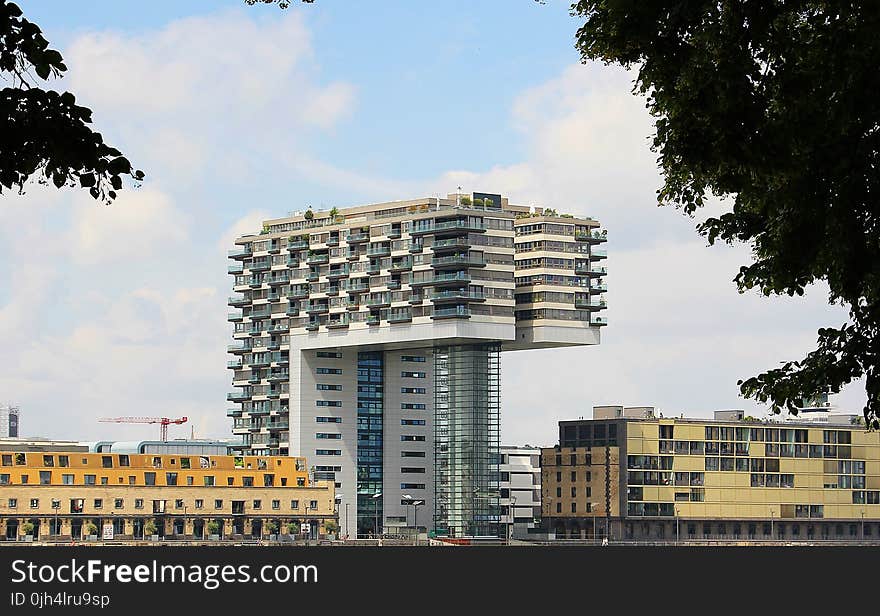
597	272
599	321
278	425
454	243
317	259
450	226
464	260
332	290
357	286
457	295
457	278
393	234
238	396
373	319
261	359
238	348
233	412
235	268
277	327
338	323
254	378
259	314
352	255
400	265
583	303
453	312
259	266
234	364
312	326
333	240
238	301
255	330
255	282
596	254
312	276
400	316
298	292
339	272
273	345
374	267
240	252
393	285
378	251
416	247
593	237
234	316
276	280
297	243
599	287
293	310
357	237
415	299
352	304
277	377
293	262
317	308
378	302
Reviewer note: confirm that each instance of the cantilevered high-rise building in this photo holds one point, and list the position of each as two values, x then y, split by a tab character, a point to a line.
369	340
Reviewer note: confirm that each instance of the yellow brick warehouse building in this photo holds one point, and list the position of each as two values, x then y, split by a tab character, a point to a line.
704	479
61	493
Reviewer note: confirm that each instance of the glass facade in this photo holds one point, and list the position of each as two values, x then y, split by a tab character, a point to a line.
466	439
369	442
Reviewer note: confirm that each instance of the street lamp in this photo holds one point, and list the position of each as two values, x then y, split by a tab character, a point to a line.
415	503
56	505
336	500
512	517
677	512
376	512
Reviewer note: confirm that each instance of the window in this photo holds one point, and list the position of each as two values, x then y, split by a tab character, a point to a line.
6	459
247	482
138	503
104	481
268	480
412	454
408	486
412	358
35	503
412	469
328	419
558	507
218	503
276	504
106	461
24	478
574	507
413	406
574	475
328	387
200	503
149	479
412	375
12	503
294	504
45	478
118	503
171	479
328	435
328	403
4	479
330	355
574	491
123	460
412	438
258	504
329	370
90	480
48	460
558	492
328	452
99	503
209	480
412	390
313	505
412	422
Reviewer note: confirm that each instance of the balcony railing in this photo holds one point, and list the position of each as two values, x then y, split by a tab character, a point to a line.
317	259
239	252
339	272
458	294
238	300
597	253
454	312
458	261
235	268
378	251
399	316
351	238
450	244
599	321
400	265
450	225
234	316
297	244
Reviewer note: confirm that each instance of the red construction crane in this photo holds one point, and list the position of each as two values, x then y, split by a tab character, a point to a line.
162	421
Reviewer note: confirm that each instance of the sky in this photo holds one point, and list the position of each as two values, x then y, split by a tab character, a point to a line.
237	114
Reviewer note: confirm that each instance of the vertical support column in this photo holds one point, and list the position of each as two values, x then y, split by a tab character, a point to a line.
467	391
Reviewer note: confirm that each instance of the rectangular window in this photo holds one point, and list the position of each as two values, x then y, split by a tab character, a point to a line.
35	503
149	479
258	504
412	390
209	480
329	371
294	504
412	422
313	505
45	478
200	503
328	387
178	503
106	461
412	358
218	503
48	460
276	504
330	354
412	438
411	486
328	403
412	469
412	375
328	452
171	479
118	503
138	503
412	454
4	479
90	480
328	419
247	482
64	461
413	406
123	460
12	503
99	503
328	435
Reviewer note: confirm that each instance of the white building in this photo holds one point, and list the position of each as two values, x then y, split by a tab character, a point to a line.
369	342
520	488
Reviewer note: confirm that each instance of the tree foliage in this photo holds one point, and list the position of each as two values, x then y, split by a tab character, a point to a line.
773	104
45	133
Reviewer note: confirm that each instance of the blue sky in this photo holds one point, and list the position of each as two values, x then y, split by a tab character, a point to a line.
242	113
